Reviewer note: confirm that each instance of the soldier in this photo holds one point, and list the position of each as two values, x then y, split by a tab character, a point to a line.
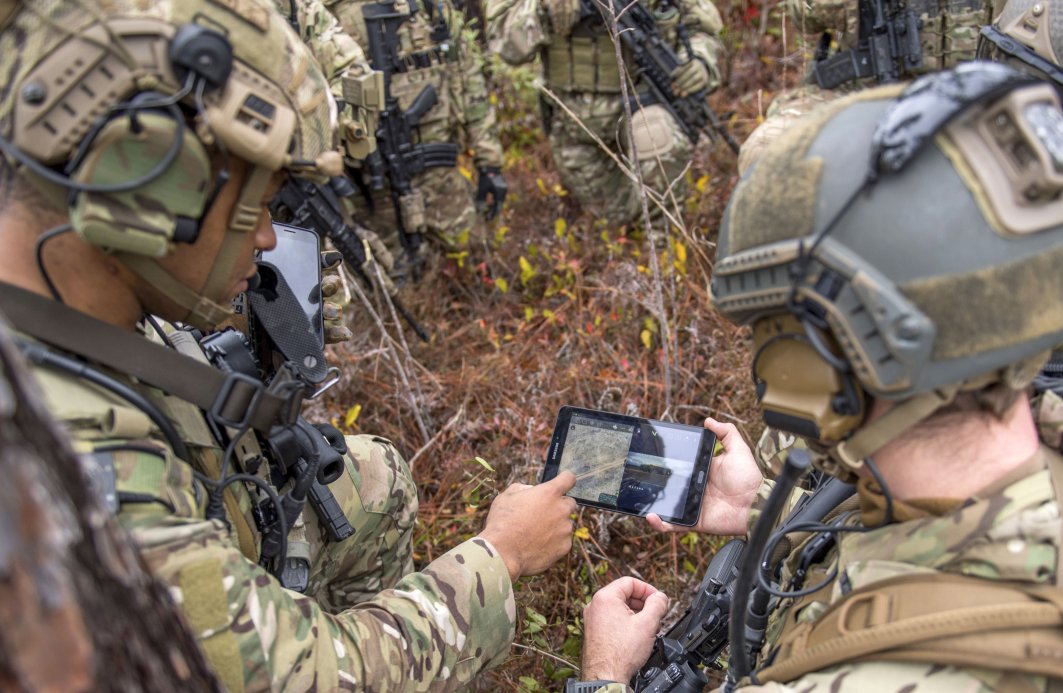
142	144
924	35
898	317
580	68
435	47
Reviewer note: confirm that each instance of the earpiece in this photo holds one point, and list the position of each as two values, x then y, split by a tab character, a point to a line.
169	205
799	390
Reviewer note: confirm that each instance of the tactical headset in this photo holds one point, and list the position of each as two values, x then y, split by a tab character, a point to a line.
140	150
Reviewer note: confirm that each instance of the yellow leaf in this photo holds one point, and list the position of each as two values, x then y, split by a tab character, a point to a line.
459	257
542	186
492	98
582	533
352	415
680	251
463	238
647	339
529	313
549	315
702	184
527	272
559	228
465	172
502	284
500	234
559	191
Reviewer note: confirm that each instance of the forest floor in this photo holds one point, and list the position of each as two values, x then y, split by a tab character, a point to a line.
559	309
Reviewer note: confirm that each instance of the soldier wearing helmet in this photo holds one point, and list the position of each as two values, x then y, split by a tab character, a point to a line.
900	284
141	146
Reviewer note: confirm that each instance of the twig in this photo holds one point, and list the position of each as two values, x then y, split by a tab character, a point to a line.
544	653
458	415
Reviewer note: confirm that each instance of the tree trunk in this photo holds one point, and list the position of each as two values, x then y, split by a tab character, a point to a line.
79	610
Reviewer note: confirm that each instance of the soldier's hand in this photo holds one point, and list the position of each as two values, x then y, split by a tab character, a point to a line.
734	479
531	526
491	185
333	298
563	15
619	627
690	78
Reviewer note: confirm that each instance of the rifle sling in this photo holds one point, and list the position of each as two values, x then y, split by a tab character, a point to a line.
232	399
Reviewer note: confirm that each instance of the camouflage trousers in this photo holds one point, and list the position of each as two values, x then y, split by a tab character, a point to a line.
450	211
592	174
379	499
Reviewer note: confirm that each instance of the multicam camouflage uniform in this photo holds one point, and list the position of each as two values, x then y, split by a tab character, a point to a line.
948	33
340	58
580	68
1010	532
367	621
463	115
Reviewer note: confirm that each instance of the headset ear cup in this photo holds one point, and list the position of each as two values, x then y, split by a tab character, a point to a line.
147	219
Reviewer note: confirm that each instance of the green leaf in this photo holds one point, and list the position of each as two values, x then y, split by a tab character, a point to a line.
485	464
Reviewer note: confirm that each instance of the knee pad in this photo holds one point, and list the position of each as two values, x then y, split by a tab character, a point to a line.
653	132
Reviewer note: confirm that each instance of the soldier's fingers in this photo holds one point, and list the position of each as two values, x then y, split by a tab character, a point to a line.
334	334
330	259
331	311
330	285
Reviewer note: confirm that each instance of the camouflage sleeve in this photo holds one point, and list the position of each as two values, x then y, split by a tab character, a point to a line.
813	17
704	23
332	47
766	487
433	631
477	114
516	29
902	676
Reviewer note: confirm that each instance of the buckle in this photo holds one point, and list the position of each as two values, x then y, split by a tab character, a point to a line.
228	388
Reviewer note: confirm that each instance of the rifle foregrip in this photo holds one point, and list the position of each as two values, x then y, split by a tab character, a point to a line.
440	154
329	512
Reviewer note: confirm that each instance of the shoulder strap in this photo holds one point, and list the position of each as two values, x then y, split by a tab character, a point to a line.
932	617
232	399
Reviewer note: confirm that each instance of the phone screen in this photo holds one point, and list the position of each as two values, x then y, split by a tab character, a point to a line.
298	258
632	465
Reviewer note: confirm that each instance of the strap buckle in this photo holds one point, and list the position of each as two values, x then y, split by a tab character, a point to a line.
235	384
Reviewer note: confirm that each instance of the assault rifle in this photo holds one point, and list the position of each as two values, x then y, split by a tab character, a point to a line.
887	47
654	63
698	639
302	202
397	157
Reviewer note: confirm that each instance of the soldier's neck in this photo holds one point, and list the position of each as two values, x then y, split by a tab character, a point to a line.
86	278
960	459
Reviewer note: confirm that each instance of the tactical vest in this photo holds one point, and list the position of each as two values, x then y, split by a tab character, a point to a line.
948	30
934	618
426	61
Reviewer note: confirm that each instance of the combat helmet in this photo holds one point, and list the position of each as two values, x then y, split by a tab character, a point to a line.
901	243
117	111
1028	34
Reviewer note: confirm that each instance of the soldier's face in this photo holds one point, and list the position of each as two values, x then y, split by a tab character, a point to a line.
191	264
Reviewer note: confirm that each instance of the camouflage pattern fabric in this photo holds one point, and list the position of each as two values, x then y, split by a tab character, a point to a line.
1048	415
948	33
367	621
463	115
339	56
580	69
1009	533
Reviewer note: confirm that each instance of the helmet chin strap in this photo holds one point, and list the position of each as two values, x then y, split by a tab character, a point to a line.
208	308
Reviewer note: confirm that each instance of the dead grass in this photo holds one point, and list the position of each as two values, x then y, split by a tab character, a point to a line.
511	344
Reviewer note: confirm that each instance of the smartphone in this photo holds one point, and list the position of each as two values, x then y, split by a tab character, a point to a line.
298	259
632	465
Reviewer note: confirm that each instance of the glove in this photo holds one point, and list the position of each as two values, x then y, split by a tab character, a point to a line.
563	15
493	185
333	298
690	78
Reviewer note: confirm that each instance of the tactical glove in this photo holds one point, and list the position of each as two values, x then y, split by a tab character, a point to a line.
690	78
493	185
333	298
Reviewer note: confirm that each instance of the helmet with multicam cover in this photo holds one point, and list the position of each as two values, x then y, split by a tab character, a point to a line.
121	109
910	252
